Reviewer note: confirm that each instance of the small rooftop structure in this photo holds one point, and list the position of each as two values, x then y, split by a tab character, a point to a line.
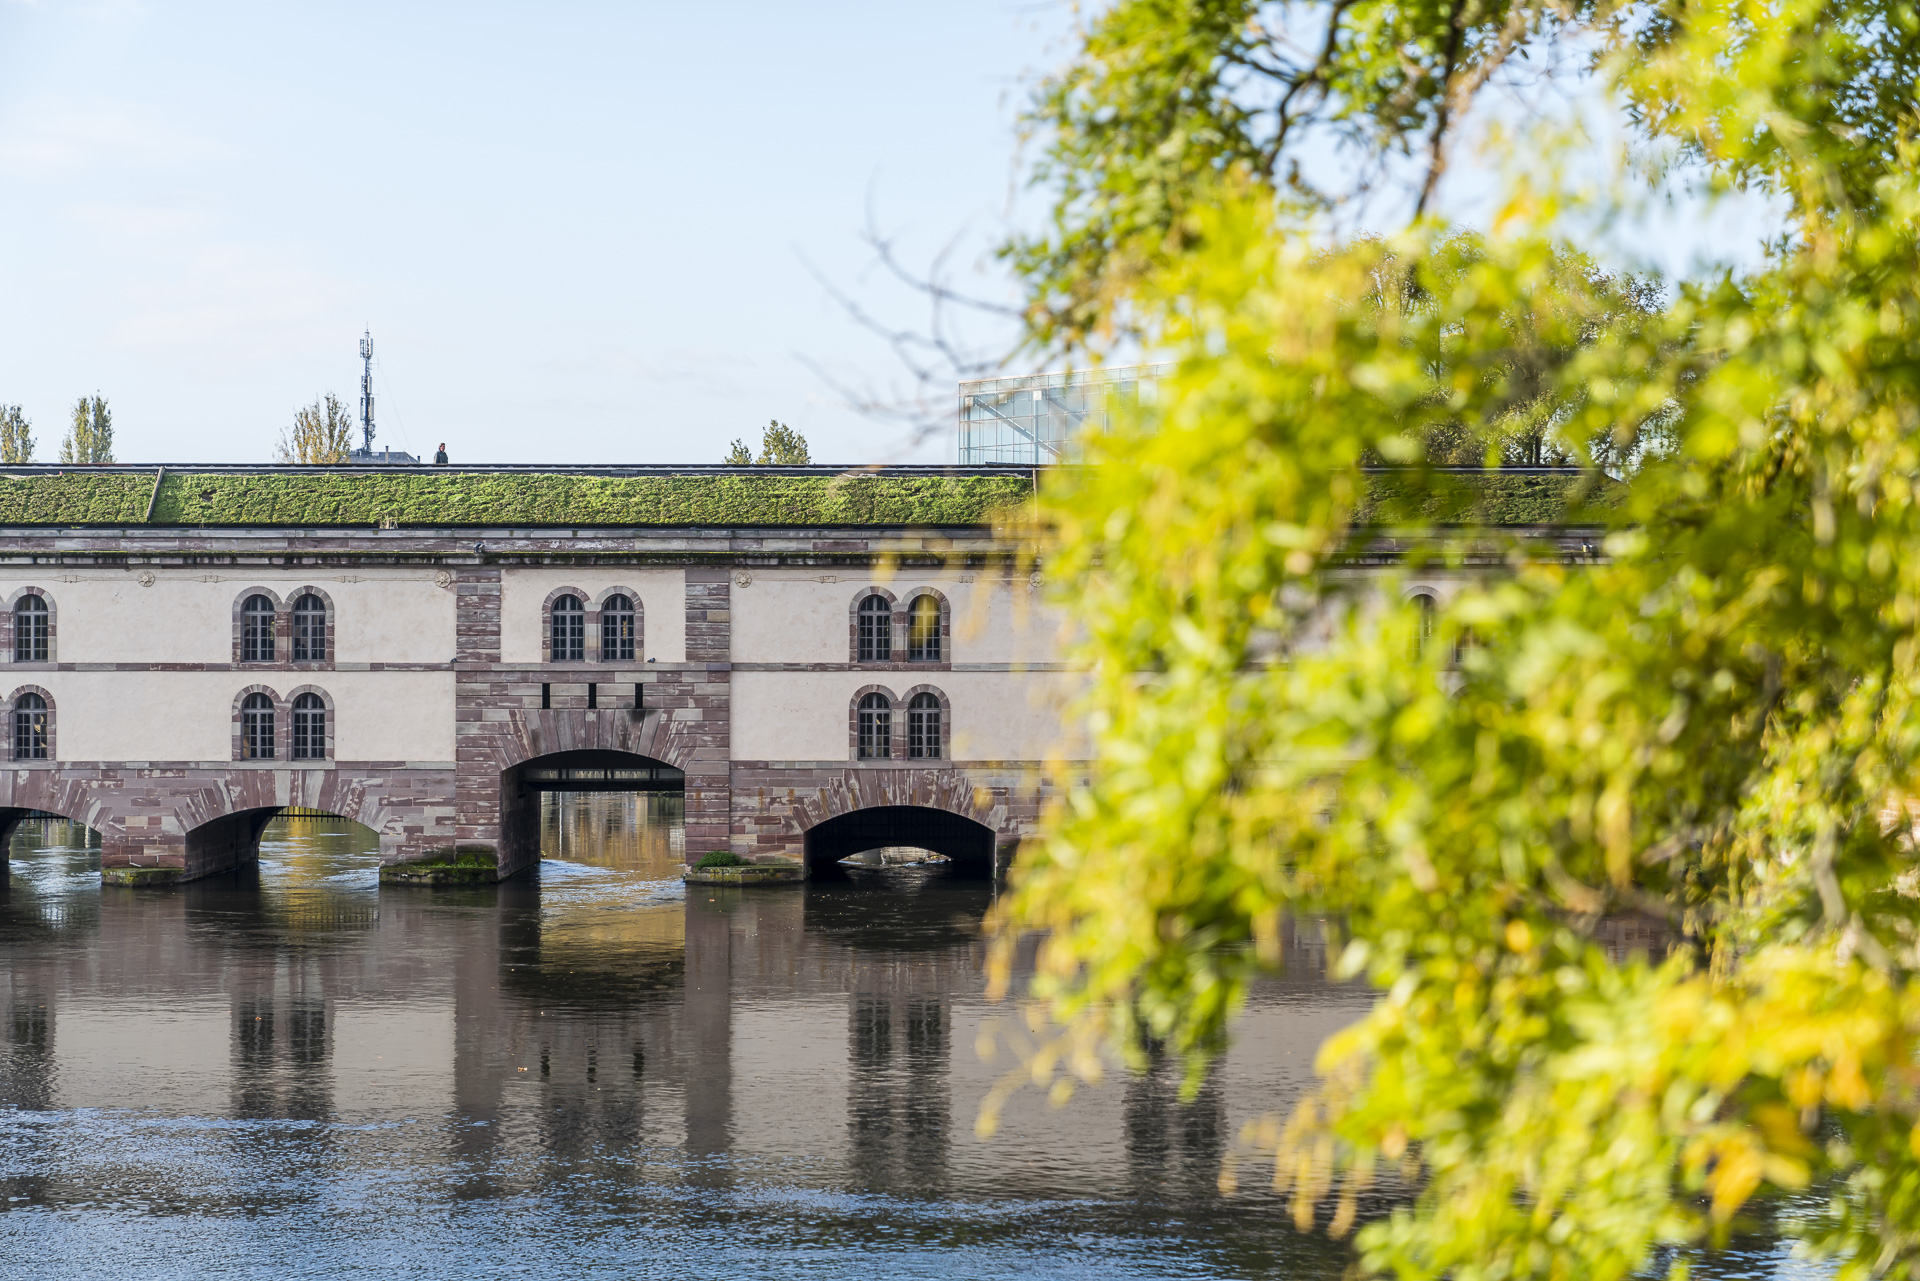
1035	419
380	457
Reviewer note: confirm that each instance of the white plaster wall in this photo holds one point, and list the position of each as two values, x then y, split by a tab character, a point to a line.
663	605
188	716
111	618
802	716
790	616
389	620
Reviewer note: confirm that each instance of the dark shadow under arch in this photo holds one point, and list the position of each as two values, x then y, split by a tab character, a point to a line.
969	844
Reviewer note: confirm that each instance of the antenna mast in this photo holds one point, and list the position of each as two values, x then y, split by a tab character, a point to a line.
366	392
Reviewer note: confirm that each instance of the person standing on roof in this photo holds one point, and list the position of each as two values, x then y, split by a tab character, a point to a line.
440	455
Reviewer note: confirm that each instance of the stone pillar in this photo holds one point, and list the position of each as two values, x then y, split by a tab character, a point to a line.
476	652
705	724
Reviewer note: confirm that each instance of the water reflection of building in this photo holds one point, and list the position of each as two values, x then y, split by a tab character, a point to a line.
817	1036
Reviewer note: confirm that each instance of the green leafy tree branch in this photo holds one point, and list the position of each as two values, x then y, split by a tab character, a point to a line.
1710	725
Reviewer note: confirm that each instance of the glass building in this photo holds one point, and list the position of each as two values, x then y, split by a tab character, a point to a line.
1036	419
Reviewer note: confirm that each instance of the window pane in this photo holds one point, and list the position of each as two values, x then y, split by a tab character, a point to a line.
30	630
256	630
309	728
876	630
617	632
309	630
256	728
31	727
923	633
876	727
569	630
923	727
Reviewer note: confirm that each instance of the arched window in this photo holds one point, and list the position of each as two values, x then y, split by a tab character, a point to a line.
309	727
1424	605
32	727
569	630
616	630
309	629
256	727
876	727
30	630
256	631
876	629
923	726
923	630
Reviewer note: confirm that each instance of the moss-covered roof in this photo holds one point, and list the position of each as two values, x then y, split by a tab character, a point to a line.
711	496
271	496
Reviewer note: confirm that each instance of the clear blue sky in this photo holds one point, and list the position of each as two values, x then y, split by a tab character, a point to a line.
576	229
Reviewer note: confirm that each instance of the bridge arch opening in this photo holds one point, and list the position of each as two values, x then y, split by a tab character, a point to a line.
596	806
42	846
969	846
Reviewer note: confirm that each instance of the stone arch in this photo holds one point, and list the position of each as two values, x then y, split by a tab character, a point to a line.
587	605
894	636
53	623
519	846
945	747
326	756
971	844
595	607
328	633
945	634
853	723
281	624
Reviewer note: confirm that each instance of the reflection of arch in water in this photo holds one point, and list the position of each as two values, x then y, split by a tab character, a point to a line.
969	843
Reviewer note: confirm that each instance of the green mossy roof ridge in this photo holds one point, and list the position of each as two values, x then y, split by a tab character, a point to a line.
481	498
74	498
1490	498
310	498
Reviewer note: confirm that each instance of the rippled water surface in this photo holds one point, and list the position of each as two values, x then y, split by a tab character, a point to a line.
591	1072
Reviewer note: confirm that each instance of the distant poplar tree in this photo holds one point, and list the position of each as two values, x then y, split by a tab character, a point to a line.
780	445
16	436
321	433
90	439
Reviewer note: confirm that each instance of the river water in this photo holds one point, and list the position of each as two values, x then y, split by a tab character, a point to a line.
591	1072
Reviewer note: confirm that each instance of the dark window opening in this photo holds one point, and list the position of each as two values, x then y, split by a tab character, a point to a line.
256	728
31	728
569	630
876	727
593	696
876	629
923	727
309	728
546	697
30	630
309	629
639	697
256	630
1422	624
617	631
923	631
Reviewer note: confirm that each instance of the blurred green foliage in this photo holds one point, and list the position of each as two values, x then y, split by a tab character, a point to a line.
1709	729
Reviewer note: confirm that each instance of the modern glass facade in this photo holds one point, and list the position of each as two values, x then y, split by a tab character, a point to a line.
1037	419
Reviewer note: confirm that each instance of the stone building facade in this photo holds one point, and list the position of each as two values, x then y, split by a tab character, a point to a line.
174	687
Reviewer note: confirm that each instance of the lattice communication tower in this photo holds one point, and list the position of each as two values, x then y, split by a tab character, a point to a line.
366	392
